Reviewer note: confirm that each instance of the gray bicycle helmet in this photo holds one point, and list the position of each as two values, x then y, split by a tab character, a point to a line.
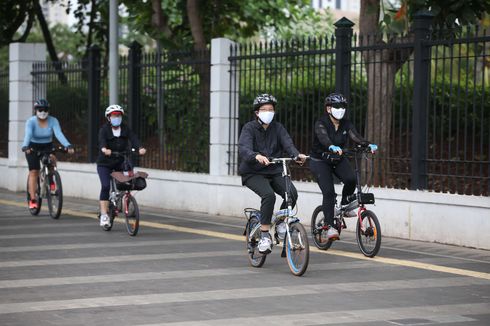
41	103
264	99
336	100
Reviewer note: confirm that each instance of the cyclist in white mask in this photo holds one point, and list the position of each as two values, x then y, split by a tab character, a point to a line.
261	139
332	131
39	133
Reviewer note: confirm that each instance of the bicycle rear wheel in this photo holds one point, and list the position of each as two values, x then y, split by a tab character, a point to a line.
54	194
34	211
132	213
255	258
319	236
368	234
298	249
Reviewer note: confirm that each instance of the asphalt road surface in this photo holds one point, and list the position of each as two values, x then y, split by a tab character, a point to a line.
191	269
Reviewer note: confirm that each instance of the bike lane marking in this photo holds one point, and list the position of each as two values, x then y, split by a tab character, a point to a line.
227	236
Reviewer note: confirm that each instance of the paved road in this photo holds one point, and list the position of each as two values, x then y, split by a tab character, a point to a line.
191	269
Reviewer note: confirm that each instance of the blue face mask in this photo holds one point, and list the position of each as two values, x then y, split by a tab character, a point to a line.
116	121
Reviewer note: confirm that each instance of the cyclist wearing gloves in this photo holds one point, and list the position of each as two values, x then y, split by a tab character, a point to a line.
259	140
332	131
113	136
39	137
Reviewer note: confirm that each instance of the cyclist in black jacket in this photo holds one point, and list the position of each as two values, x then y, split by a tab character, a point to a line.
113	136
331	134
259	140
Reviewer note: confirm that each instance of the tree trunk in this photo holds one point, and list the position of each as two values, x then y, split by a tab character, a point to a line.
49	42
381	68
195	22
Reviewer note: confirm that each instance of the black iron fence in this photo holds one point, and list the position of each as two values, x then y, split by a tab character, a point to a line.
4	113
422	97
165	96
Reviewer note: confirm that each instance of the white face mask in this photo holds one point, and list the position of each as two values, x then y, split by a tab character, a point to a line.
266	116
42	115
338	113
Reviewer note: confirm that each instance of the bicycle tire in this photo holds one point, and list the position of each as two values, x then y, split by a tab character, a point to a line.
369	241
319	237
255	258
54	198
34	211
132	213
298	249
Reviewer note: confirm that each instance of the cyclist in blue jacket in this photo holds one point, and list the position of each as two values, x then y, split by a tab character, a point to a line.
259	140
38	136
332	131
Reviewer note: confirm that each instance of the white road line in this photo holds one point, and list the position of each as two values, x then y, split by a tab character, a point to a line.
235	294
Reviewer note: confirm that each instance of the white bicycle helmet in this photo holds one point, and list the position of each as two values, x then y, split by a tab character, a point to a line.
113	108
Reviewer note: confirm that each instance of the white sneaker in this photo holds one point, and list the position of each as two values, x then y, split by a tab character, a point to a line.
105	220
265	245
332	233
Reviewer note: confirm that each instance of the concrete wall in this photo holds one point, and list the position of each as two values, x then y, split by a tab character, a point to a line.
418	215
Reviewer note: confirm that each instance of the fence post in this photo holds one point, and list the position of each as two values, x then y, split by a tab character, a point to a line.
21	59
421	29
93	101
220	107
343	44
134	86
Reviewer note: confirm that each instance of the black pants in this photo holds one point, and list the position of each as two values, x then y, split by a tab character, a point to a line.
105	179
323	171
266	186
33	158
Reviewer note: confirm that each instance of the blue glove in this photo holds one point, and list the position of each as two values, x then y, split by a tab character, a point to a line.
335	149
373	147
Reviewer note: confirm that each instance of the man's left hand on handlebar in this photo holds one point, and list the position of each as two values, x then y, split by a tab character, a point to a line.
301	159
142	151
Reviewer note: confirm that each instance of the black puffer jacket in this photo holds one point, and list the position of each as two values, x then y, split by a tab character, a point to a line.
117	144
270	142
326	135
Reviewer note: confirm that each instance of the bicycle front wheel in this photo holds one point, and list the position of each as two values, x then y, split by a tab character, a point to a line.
317	233
368	234
54	194
297	249
132	213
34	211
252	237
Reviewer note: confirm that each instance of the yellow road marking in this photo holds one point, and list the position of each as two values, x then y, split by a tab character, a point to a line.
227	236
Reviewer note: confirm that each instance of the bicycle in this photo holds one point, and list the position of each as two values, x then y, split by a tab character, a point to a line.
48	184
121	198
368	230
287	228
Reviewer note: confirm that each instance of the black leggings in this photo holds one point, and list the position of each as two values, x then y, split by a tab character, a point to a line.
266	186
105	179
323	171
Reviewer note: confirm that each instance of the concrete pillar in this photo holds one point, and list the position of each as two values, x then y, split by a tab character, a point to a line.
222	110
21	57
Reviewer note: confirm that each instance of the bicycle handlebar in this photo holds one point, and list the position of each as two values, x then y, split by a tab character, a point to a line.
277	160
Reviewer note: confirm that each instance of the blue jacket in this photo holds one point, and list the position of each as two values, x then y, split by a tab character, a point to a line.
35	134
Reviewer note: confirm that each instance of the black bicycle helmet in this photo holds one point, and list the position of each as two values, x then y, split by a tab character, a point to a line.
264	99
336	100
41	103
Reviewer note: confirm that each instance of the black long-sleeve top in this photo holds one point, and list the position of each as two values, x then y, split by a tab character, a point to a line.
117	144
326	135
270	142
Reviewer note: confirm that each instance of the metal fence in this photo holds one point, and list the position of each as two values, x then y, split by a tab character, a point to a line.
166	99
4	113
423	97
